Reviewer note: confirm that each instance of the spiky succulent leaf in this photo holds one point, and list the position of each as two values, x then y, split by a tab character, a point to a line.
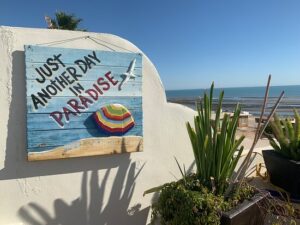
287	136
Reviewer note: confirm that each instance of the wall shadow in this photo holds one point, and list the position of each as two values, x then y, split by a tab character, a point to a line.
16	164
89	208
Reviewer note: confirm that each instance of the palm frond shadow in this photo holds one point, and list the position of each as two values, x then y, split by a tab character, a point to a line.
89	208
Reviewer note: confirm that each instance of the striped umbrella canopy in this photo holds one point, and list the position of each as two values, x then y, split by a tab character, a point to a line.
114	119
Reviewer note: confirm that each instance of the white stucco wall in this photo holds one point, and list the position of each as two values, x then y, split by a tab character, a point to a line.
91	190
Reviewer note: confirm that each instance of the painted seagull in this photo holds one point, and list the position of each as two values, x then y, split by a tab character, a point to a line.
128	75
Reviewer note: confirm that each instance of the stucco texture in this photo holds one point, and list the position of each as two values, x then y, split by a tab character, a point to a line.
90	190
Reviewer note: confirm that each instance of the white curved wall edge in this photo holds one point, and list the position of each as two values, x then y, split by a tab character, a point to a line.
92	190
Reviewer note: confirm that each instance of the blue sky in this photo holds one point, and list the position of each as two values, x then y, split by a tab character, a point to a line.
192	43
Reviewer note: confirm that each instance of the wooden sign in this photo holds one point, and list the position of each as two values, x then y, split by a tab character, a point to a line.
82	102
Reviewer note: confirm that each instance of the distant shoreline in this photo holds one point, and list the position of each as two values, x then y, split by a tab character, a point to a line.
224	88
250	98
251	105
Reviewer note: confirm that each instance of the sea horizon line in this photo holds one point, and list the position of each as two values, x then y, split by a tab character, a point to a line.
191	89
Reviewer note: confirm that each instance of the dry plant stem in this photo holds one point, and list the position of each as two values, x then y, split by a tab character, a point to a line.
240	175
261	131
246	162
270	116
241	168
263	109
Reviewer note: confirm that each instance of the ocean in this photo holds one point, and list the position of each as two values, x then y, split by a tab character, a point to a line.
250	98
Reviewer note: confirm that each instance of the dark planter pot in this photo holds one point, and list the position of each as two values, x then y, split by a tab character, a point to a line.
248	213
283	172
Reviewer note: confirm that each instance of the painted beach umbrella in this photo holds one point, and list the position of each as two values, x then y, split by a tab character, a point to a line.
114	119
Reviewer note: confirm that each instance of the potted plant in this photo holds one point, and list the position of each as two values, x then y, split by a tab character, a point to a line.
217	152
283	163
214	194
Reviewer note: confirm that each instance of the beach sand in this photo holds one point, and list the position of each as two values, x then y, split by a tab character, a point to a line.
262	144
249	133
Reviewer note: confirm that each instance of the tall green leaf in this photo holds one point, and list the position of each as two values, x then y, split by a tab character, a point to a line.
216	150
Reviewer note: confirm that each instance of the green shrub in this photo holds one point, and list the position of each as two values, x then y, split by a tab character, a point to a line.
178	205
287	136
187	202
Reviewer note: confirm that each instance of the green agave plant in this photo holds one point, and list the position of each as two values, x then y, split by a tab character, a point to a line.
216	149
287	136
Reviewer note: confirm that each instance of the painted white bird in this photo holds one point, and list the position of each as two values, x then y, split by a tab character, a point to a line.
128	75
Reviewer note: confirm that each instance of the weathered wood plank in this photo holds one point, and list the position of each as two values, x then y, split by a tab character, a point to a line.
91	147
65	136
56	103
70	55
132	88
43	121
93	74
